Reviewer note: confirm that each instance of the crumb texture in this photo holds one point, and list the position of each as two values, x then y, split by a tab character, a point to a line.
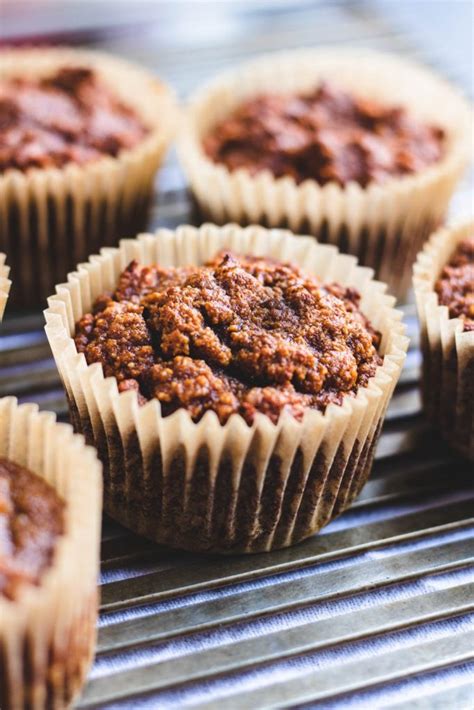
240	334
70	116
327	135
31	519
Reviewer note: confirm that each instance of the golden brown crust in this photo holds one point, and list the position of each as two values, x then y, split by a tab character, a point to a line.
239	335
70	115
327	135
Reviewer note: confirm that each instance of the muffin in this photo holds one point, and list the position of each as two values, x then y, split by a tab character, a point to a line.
81	137
359	148
444	287
5	284
229	411
50	499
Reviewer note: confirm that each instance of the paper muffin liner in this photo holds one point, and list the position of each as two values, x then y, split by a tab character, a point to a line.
384	225
448	350
233	487
5	284
47	633
52	218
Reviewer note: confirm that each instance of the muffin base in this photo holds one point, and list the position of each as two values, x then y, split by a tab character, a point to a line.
287	502
62	678
67	245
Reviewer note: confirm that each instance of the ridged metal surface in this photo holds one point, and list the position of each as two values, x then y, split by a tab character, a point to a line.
375	611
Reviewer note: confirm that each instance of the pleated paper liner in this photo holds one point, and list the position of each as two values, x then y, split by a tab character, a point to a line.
47	633
207	486
448	350
383	225
5	284
52	218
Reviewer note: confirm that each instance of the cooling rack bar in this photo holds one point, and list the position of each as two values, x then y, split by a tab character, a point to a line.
311	637
387	666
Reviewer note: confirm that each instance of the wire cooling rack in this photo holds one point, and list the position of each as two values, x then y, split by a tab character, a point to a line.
376	610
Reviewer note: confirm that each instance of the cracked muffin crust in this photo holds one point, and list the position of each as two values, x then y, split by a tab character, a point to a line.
240	334
31	520
455	286
68	116
326	135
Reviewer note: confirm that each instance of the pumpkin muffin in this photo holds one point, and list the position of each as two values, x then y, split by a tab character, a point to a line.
360	148
81	137
235	396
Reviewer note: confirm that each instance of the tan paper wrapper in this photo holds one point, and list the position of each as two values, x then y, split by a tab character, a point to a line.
5	284
224	488
50	219
383	225
47	634
448	350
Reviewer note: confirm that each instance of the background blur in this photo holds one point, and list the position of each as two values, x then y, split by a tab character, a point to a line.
217	33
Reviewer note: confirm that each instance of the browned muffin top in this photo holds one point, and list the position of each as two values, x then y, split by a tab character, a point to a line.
240	334
327	135
455	286
31	519
69	116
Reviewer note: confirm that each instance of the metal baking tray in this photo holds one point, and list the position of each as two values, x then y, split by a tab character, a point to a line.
376	610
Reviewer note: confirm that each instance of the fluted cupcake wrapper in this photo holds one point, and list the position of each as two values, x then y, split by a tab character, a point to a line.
47	633
52	218
5	284
448	350
384	225
232	487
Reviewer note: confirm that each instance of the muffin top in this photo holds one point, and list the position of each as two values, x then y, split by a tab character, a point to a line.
326	135
68	116
240	334
455	286
31	519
